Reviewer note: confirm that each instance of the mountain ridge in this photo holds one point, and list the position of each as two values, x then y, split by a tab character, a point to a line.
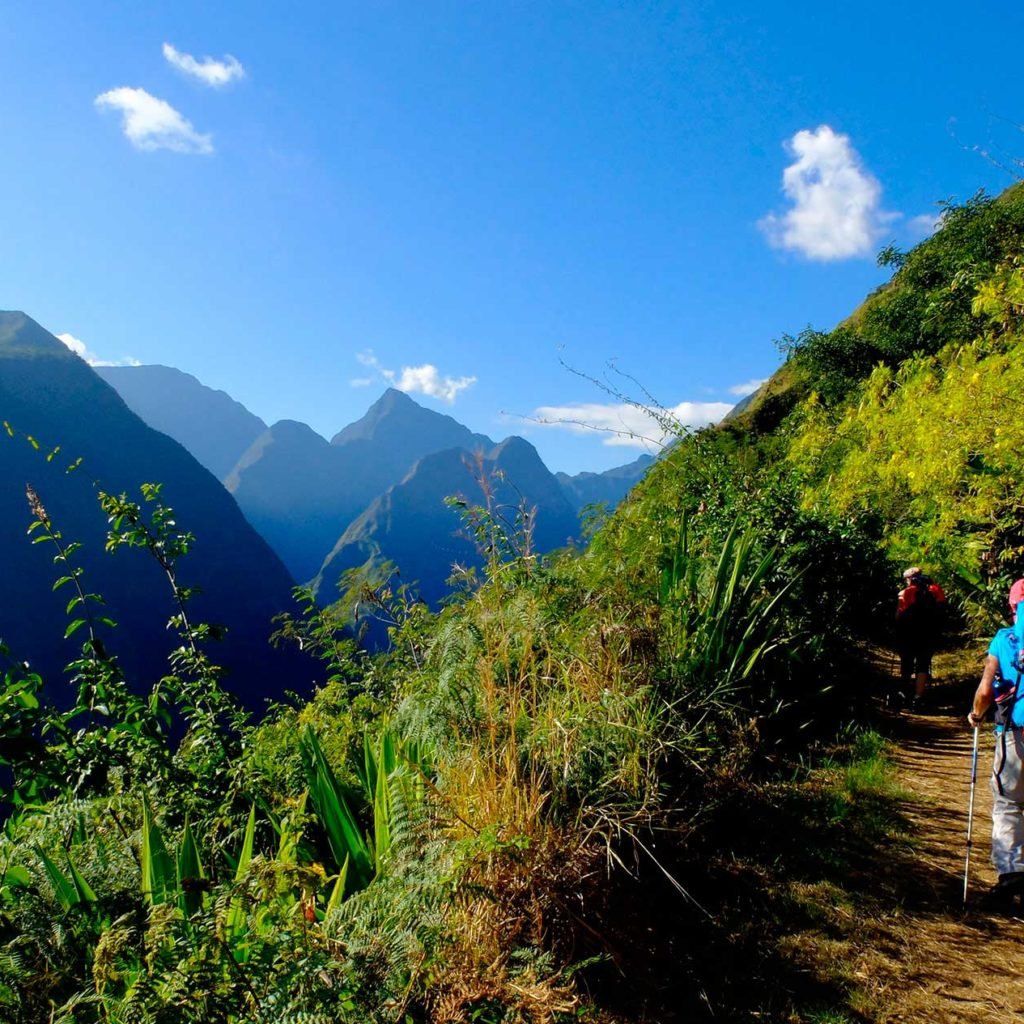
302	492
48	392
412	526
216	428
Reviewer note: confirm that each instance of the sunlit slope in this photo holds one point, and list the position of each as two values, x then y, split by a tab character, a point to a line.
927	305
905	418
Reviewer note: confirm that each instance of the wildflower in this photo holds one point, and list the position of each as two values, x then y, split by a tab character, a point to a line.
35	504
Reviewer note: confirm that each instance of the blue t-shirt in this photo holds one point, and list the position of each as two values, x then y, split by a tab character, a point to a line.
1004	648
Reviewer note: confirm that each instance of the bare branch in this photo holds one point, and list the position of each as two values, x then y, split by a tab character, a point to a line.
998	158
567	422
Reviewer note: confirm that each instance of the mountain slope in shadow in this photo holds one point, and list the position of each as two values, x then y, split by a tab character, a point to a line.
411	526
302	492
210	424
48	392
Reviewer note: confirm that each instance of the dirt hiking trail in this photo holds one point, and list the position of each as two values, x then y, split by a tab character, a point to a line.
950	965
835	897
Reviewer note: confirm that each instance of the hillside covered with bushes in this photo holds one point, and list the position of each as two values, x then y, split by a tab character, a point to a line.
545	801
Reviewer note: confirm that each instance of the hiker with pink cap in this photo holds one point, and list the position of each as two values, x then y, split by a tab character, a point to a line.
1000	687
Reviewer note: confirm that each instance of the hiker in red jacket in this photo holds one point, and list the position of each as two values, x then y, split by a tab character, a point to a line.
918	624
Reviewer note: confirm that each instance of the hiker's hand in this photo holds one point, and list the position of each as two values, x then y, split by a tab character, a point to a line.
974	720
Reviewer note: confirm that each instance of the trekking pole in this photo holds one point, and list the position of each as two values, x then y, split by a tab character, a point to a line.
970	812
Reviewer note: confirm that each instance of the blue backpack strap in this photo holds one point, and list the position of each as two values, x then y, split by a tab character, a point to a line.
1007	707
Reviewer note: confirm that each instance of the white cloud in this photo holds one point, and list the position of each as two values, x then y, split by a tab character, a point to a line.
211	72
426	380
422	380
836	203
150	123
627	425
82	351
924	224
361	382
76	346
742	390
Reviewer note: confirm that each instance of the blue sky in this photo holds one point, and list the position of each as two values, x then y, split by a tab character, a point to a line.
458	198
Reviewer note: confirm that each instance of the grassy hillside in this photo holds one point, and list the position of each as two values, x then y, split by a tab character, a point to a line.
573	792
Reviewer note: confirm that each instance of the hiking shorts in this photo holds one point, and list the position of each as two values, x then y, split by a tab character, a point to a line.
915	660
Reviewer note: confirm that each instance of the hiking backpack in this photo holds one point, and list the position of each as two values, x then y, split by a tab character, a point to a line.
921	605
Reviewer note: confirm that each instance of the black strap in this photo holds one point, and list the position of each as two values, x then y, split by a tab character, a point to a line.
997	773
1015	694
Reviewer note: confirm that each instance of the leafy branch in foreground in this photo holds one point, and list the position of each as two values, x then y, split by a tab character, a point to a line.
132	733
42	525
322	633
501	531
202	699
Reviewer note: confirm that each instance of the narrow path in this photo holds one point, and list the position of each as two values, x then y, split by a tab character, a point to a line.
955	966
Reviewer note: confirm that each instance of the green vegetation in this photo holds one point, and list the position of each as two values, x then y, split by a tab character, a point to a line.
485	821
928	304
427	838
928	453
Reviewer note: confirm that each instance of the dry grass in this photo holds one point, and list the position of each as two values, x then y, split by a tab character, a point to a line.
513	902
533	865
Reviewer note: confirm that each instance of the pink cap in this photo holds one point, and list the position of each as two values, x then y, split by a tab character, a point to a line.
1016	595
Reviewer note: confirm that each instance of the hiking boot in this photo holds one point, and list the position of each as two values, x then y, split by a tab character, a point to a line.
1004	895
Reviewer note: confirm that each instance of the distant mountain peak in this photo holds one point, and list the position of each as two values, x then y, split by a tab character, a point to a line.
395	418
392	402
515	445
295	430
20	333
394	399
